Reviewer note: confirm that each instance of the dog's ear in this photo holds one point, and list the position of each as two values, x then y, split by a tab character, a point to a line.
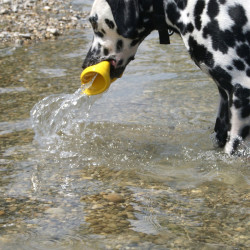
126	16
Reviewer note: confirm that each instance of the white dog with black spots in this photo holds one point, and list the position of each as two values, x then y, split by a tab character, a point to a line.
215	32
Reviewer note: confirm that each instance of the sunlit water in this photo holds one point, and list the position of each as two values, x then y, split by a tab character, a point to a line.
148	139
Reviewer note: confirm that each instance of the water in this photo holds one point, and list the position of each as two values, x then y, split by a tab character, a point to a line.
148	140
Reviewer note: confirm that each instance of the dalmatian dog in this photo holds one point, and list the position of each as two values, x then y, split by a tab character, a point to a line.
215	32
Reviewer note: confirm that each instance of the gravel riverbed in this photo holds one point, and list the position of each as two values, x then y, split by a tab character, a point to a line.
27	21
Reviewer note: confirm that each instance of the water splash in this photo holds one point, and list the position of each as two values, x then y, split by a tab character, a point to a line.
59	115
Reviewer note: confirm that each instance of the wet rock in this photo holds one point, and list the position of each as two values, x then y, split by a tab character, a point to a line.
97	206
54	211
47	8
14	8
12	209
53	31
130	216
107	216
25	36
113	197
4	11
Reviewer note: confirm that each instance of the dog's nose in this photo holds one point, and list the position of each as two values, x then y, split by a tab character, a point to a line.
90	59
86	62
84	65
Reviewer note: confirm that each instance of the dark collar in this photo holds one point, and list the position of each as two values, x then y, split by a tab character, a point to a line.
160	21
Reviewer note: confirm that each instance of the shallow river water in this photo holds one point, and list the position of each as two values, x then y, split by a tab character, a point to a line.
134	168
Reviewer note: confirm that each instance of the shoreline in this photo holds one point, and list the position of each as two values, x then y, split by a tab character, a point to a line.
24	22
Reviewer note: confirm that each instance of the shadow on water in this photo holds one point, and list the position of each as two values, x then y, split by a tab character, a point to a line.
134	168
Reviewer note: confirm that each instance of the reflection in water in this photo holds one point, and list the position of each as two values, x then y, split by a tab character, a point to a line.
133	168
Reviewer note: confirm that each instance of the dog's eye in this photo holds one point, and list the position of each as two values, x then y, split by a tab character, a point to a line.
93	21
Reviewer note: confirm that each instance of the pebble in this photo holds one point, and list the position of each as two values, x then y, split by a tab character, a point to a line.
47	8
97	206
26	35
108	216
3	11
240	229
33	21
12	209
55	210
113	197
130	216
53	31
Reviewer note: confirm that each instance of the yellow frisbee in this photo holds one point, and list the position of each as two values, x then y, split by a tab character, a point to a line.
98	77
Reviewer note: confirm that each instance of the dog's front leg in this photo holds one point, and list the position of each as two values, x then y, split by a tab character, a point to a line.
222	124
240	118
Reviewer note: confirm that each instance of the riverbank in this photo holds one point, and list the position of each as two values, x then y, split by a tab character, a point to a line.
27	21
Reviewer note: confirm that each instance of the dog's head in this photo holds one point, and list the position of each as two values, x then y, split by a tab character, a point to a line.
119	27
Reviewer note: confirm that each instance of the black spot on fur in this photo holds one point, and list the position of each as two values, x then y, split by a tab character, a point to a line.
134	42
182	4
242	94
245	112
100	34
236	143
221	40
222	77
105	51
240	103
238	34
130	59
119	46
126	17
245	132
243	51
120	63
228	37
229	67
199	53
182	28
238	15
189	28
239	65
248	72
212	9
222	125
199	7
172	13
221	132
222	1
93	20
98	51
110	23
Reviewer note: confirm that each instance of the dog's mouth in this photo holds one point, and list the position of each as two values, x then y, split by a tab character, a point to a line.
115	72
116	67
